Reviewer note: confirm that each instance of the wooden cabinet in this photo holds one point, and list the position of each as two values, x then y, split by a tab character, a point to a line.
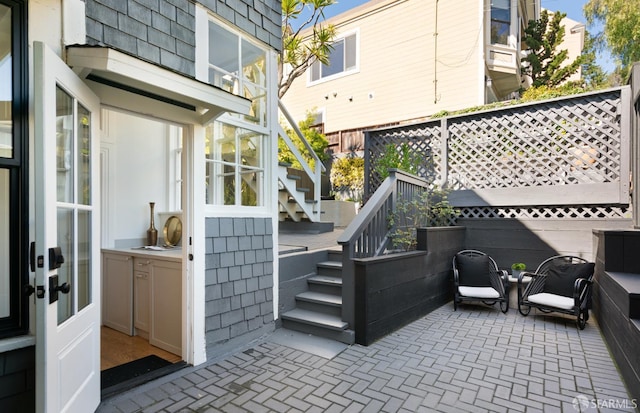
117	292
141	307
166	306
142	295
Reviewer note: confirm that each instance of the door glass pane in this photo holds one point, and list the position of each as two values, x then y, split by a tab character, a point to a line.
6	90
65	272
4	243
84	156
64	149
83	284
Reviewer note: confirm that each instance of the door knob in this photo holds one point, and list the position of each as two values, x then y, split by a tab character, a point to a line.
64	288
54	288
29	289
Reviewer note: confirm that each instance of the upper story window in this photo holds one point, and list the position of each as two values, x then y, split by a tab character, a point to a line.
239	67
500	21
343	59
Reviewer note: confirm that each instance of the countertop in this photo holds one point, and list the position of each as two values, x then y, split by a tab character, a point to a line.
172	254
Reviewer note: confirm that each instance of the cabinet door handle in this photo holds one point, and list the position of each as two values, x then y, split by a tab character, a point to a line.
141	276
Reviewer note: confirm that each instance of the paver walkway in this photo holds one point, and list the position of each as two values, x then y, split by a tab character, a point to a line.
474	359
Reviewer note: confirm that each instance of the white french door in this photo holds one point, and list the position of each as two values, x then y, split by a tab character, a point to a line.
67	246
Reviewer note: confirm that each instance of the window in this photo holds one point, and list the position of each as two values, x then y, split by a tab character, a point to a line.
239	67
500	21
343	59
235	173
13	168
235	144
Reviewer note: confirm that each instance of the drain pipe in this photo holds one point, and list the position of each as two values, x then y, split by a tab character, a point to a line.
435	58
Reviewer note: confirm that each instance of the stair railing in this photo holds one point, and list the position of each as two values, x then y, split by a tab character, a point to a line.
314	173
368	235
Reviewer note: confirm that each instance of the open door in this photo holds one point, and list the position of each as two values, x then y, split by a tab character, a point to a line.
66	256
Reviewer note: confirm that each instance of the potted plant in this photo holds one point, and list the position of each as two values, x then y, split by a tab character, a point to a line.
517	268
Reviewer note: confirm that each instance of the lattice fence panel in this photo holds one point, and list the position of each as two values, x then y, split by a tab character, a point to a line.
550	212
423	140
561	142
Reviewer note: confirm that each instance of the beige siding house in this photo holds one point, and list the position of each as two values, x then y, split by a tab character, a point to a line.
399	61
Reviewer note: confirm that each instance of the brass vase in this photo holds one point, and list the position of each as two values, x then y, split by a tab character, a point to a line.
152	232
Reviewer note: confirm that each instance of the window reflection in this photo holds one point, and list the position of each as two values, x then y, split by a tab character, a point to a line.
6	90
4	244
500	21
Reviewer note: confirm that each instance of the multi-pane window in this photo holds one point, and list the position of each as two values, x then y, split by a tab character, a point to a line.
500	21
235	172
234	152
13	173
343	59
238	66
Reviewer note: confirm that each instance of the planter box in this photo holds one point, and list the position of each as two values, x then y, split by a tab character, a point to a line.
341	213
393	290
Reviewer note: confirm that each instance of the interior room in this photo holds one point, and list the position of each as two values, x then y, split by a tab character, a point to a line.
141	187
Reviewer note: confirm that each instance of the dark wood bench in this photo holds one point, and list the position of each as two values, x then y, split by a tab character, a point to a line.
617	306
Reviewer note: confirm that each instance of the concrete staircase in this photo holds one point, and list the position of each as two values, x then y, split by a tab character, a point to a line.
318	311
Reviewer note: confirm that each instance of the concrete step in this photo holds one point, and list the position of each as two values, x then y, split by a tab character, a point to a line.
321	325
335	255
325	284
315	319
320	302
330	268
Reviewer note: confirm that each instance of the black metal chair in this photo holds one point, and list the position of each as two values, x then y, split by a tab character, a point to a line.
476	277
560	284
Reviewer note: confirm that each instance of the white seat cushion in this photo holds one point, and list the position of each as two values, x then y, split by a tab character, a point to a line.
478	292
552	300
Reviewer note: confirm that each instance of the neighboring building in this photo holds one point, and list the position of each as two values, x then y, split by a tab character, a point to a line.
106	106
398	61
574	33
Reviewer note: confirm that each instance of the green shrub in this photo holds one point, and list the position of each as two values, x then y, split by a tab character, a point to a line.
347	175
429	209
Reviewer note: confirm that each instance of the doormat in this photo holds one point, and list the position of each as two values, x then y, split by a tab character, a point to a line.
133	370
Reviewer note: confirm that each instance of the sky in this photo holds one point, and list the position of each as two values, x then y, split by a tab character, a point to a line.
573	9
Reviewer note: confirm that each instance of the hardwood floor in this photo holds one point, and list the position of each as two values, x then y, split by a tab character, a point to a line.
118	348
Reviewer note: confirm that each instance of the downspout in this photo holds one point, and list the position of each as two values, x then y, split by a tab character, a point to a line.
435	58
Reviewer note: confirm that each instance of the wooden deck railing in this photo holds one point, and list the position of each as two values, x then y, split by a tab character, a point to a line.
368	234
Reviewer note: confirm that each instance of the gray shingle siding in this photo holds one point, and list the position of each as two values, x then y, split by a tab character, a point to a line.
239	278
149	29
259	18
163	31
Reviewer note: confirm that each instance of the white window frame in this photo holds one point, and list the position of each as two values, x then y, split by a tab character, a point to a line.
203	17
343	73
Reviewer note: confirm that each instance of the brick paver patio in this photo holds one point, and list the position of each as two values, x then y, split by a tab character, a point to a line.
474	359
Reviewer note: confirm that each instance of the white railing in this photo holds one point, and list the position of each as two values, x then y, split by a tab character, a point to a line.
313	172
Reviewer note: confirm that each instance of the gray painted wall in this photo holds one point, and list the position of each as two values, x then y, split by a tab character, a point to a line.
533	240
239	281
163	31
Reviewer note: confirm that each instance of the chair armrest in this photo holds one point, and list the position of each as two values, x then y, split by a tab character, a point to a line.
580	287
499	280
523	274
536	285
456	277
